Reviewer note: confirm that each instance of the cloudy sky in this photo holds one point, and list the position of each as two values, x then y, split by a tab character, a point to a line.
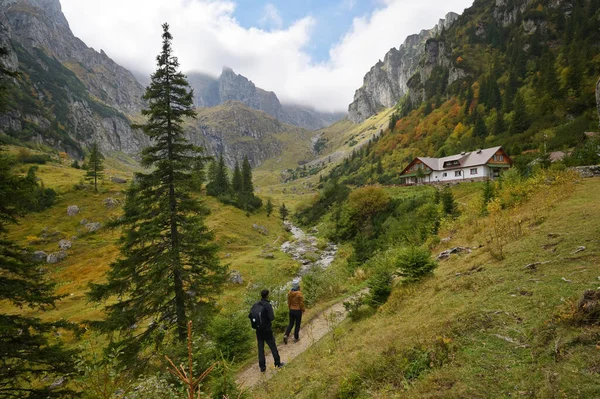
313	52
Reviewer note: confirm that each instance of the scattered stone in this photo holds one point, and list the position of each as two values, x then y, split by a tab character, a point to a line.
588	307
268	255
525	292
313	230
118	180
56	257
92	227
72	210
565	280
228	255
40	256
456	250
446	240
64	244
533	266
261	229
580	249
235	277
58	383
111	202
511	340
83	222
287	228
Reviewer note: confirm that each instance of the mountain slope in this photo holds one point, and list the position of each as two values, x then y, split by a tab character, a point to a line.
210	92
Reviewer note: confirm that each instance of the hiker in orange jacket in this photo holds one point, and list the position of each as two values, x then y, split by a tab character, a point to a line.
296	306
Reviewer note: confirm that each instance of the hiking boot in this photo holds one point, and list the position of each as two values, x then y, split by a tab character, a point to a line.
296	340
263	370
285	339
280	365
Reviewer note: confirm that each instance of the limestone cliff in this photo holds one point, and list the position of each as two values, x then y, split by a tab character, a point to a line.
389	80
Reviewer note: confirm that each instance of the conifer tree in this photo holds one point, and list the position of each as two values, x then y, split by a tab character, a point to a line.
269	207
283	212
168	271
247	185
95	166
237	181
29	360
520	121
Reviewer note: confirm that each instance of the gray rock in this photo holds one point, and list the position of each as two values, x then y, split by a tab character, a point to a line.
261	229
56	257
235	277
72	210
268	255
83	222
40	256
111	202
92	227
390	79
64	244
456	250
118	180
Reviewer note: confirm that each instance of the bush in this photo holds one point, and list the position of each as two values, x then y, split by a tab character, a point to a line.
415	263
232	335
380	288
356	308
25	156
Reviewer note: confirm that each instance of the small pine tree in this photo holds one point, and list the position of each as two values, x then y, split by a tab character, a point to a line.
520	121
95	166
283	212
448	202
488	195
269	207
237	180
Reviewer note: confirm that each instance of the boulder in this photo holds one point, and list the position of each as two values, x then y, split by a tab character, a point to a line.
92	227
261	229
456	250
56	257
111	202
118	180
40	256
235	277
72	210
64	244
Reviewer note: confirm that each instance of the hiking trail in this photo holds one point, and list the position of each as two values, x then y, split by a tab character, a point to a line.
310	332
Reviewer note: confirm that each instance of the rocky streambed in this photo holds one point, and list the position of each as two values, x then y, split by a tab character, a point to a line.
305	249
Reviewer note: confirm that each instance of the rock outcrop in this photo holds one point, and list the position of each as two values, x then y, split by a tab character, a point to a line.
390	79
211	92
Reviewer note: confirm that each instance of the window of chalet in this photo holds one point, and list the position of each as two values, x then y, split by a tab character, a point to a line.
474	171
458	173
499	158
444	174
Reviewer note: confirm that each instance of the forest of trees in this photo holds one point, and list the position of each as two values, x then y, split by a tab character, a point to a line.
237	191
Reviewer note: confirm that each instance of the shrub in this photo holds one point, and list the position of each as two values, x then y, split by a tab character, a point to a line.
380	288
415	263
25	156
232	335
355	306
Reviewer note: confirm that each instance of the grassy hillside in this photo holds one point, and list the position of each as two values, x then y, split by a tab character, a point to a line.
241	246
483	326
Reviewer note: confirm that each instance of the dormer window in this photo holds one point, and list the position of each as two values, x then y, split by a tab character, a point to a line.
498	158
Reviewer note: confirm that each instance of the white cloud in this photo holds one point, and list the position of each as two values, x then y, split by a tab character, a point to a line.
271	16
207	36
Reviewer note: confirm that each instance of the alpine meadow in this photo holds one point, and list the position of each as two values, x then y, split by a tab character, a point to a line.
201	209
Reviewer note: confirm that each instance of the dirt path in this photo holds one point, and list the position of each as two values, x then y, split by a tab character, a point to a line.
309	334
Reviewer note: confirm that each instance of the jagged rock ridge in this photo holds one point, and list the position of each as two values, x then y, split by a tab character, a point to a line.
389	80
210	92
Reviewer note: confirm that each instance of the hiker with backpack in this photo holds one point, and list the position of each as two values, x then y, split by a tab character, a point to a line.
296	307
261	315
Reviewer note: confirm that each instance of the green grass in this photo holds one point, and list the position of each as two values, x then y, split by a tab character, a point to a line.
477	304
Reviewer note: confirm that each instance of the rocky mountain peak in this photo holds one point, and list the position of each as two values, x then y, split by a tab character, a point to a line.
388	80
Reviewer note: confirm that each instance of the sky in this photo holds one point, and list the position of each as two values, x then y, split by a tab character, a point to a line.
309	52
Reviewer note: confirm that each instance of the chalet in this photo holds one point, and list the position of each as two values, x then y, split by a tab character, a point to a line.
467	166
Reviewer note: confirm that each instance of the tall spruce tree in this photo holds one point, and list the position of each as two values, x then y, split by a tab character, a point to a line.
95	166
30	361
168	271
247	185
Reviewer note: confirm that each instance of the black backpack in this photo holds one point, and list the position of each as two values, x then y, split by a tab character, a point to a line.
258	316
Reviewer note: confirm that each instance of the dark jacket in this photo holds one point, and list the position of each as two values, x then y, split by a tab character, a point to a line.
270	314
